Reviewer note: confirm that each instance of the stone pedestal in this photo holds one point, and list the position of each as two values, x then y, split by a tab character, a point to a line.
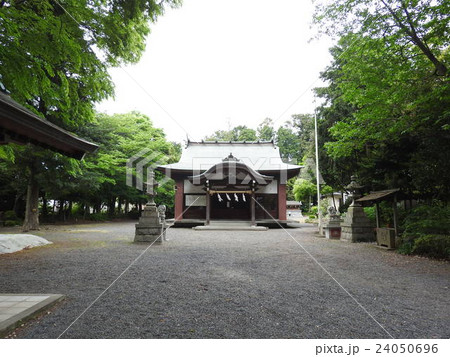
356	226
332	228
386	237
149	228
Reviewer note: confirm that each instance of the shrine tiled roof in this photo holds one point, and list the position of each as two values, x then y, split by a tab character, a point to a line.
261	156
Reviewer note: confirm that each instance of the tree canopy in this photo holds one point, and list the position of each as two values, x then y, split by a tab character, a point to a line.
54	57
386	112
411	27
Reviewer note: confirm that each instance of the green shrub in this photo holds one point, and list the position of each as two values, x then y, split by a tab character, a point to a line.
427	220
77	211
370	213
433	246
10	216
427	232
406	247
98	217
133	214
12	223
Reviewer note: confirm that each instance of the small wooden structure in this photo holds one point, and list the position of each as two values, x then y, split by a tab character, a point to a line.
293	205
385	236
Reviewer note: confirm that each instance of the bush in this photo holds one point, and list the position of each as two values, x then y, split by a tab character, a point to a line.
406	247
10	216
433	246
99	217
12	223
427	220
427	232
77	211
133	214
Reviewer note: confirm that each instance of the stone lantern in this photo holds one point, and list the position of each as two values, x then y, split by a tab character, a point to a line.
356	227
149	228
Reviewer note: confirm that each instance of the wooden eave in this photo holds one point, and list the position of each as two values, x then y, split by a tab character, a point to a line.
20	125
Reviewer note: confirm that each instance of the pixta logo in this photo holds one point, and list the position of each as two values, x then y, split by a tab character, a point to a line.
140	166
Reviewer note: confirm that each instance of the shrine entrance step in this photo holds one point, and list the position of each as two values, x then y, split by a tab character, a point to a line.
222	225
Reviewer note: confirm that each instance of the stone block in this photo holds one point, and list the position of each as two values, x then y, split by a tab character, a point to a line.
149	228
356	226
386	237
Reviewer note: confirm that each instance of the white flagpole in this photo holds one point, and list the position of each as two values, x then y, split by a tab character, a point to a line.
316	135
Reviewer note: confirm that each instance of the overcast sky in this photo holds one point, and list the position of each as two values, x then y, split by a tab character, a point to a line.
215	64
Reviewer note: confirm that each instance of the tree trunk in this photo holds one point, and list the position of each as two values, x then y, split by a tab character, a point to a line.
16	204
119	206
440	68
44	207
32	205
69	209
111	207
61	210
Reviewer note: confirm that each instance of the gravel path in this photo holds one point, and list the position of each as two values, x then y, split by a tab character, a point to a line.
204	284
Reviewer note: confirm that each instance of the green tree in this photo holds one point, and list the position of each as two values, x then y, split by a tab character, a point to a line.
265	130
397	128
99	180
121	136
288	142
304	191
242	133
54	59
388	99
304	127
238	133
420	26
336	170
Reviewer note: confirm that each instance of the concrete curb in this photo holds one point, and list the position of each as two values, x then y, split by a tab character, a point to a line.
17	319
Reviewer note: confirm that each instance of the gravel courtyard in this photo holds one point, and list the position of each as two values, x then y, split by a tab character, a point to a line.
204	284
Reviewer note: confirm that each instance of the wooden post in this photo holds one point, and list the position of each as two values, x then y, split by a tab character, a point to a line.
252	208
179	200
281	202
377	214
208	207
395	215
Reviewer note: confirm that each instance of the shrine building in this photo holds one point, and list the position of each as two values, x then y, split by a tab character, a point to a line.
230	181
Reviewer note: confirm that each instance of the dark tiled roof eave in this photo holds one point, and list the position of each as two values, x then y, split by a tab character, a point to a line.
20	125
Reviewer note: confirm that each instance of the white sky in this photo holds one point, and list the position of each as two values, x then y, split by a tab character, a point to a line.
212	64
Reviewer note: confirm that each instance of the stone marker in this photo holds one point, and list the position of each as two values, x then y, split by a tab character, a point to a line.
356	226
332	227
162	219
149	228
